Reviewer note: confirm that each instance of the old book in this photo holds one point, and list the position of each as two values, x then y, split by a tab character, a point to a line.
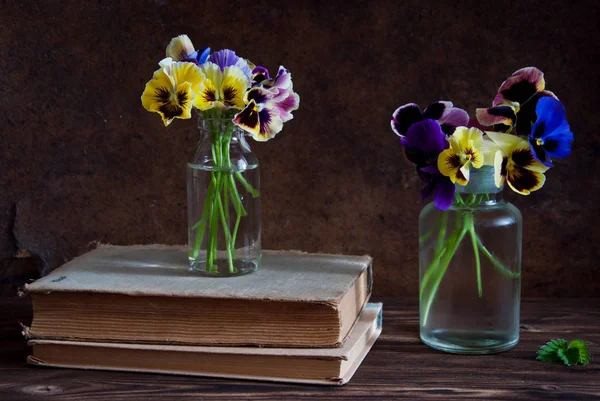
304	365
146	294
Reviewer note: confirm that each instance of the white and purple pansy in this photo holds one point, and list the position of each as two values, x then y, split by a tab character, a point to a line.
269	104
259	117
444	112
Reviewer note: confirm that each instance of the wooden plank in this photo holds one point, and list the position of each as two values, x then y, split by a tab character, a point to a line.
398	367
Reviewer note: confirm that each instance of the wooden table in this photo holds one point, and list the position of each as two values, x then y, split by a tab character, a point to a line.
398	367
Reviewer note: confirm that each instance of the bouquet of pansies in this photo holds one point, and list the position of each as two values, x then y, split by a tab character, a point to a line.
529	128
228	91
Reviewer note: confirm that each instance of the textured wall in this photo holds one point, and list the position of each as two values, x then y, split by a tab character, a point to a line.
82	161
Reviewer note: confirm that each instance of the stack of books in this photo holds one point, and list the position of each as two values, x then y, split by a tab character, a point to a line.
300	318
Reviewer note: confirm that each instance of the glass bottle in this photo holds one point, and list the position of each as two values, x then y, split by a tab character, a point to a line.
223	195
470	270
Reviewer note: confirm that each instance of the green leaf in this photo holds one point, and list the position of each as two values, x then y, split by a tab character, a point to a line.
549	352
562	354
578	352
560	350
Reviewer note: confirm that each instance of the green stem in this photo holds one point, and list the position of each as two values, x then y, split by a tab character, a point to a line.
200	227
440	249
442	270
246	185
499	266
222	196
471	224
433	268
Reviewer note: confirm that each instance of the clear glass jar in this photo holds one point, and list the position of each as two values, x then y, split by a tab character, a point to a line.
223	190
470	270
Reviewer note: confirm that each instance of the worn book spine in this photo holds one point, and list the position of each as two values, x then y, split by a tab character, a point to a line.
315	366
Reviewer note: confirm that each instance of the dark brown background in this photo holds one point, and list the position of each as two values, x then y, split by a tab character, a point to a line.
82	161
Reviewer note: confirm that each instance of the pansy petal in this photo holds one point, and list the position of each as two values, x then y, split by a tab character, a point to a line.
524	181
558	143
449	163
432	169
287	105
180	48
283	79
500	164
260	74
520	86
233	87
248	119
226	58
455	118
259	95
427	136
199	56
189	72
506	142
207	98
463	174
523	158
270	125
404	117
539	153
527	115
476	157
438	110
489	117
550	115
444	192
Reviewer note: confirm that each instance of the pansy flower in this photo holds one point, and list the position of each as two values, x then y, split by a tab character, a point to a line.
448	117
550	135
423	143
515	164
464	152
173	89
516	100
223	88
284	100
181	49
268	105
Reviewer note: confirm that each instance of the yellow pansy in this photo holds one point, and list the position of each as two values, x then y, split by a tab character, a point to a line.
172	90
515	164
223	88
464	152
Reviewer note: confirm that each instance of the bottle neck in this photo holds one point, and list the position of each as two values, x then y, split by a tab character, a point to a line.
480	190
223	145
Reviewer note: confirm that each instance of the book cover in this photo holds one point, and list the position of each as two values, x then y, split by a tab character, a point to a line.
147	294
331	366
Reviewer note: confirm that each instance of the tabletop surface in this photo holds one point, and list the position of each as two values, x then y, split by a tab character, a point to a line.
398	367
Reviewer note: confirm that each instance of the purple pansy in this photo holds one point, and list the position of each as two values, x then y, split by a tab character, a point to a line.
444	112
423	142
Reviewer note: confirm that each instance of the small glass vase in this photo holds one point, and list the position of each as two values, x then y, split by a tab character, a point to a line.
470	270
223	184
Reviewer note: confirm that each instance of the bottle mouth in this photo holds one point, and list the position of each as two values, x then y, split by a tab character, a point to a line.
481	181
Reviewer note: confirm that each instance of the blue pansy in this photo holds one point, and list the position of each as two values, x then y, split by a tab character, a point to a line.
550	135
200	56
